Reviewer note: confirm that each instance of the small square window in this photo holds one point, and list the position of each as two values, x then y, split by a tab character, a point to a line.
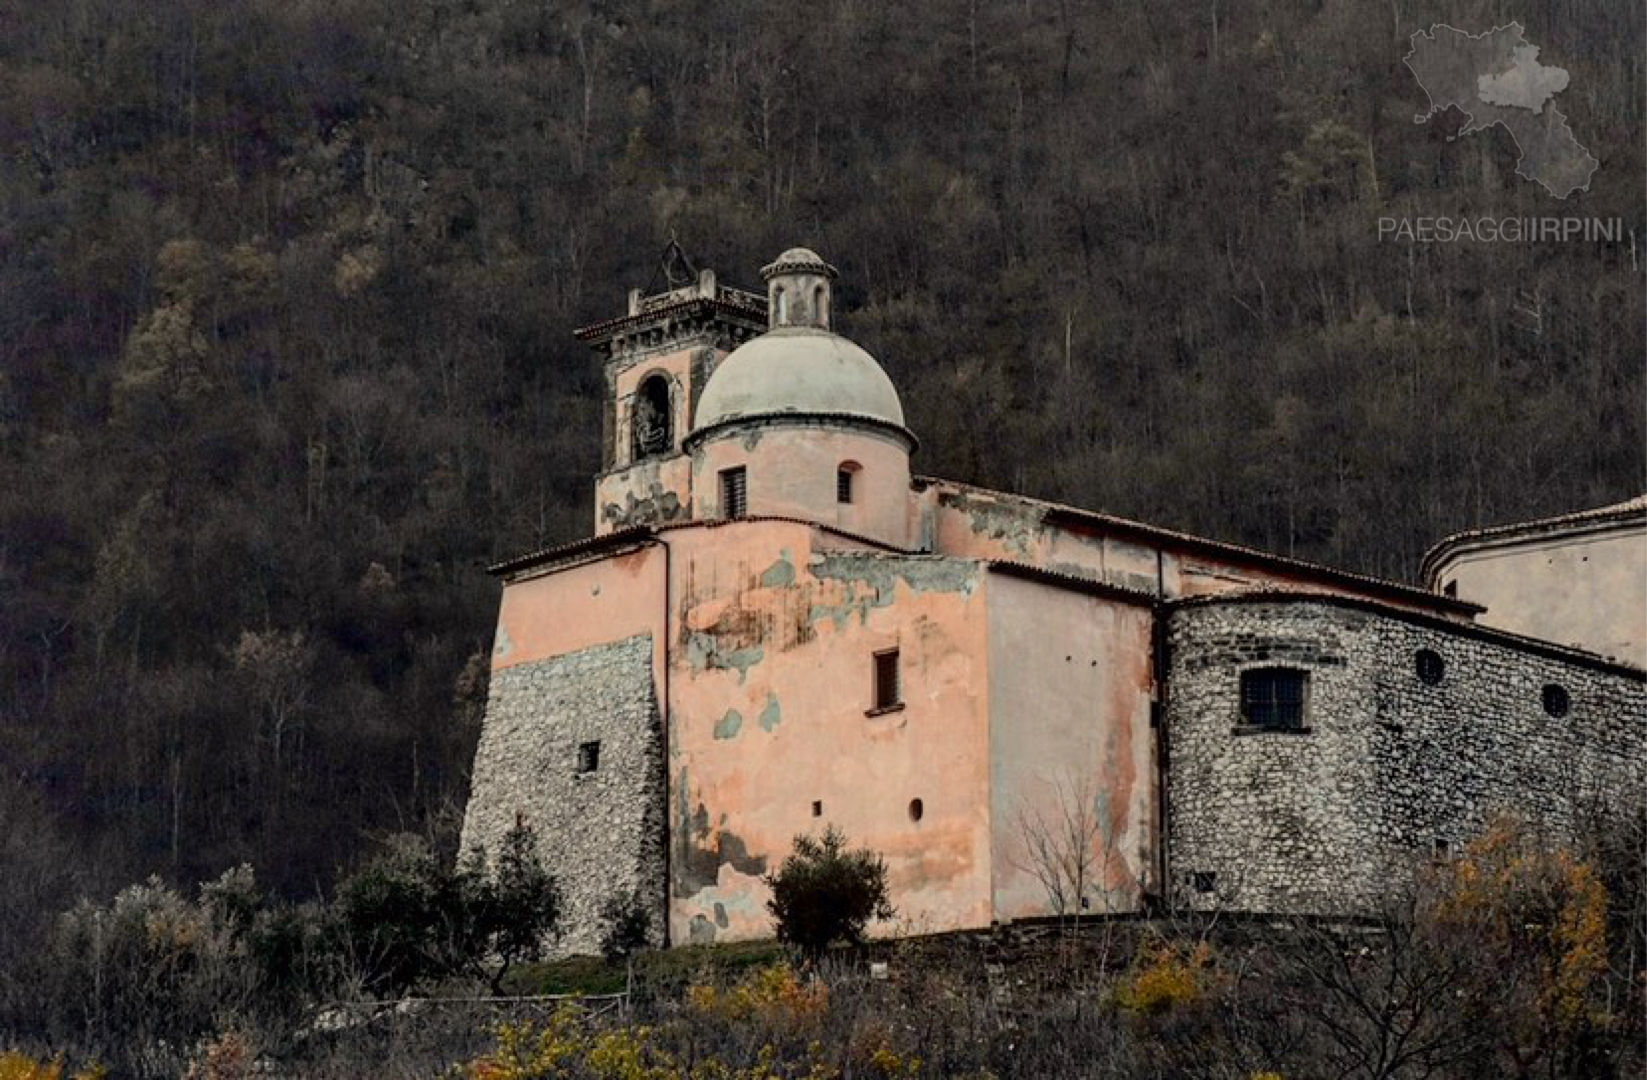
888	692
588	757
734	493
1204	881
1273	698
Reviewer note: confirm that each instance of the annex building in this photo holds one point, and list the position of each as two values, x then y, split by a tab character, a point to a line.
777	626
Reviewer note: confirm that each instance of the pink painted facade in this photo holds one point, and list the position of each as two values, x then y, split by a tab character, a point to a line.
1025	636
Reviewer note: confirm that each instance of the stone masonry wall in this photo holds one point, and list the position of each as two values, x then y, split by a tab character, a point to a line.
600	832
1389	768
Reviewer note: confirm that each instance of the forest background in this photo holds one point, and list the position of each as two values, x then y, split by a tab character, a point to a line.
287	290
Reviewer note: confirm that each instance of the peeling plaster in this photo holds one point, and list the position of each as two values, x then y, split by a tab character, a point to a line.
1017	529
781	574
700	851
654	505
704	652
728	726
503	646
772	715
874	581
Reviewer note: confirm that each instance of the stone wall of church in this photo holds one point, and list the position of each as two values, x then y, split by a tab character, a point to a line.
600	829
1391	766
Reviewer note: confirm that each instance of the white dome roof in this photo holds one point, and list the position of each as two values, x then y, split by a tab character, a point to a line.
798	370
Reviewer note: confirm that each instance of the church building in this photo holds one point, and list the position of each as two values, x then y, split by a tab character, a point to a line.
1026	708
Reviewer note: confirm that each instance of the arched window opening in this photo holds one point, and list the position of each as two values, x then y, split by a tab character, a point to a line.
1431	668
780	301
846	482
652	435
820	305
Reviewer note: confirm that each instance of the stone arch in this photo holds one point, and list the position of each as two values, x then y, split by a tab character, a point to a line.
651	418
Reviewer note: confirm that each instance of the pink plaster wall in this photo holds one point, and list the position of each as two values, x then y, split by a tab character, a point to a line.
588	604
791	473
991	525
770	681
1069	699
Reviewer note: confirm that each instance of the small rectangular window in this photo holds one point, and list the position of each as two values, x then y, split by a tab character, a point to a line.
588	757
1273	698
734	493
888	692
843	485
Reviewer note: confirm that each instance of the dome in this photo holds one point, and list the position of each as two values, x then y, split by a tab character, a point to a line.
799	370
797	260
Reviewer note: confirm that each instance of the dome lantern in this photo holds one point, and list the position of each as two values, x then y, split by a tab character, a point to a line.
797	290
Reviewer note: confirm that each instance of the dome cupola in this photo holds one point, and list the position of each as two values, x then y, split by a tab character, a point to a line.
797	290
801	422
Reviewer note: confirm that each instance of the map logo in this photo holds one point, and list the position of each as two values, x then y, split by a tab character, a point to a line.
1495	78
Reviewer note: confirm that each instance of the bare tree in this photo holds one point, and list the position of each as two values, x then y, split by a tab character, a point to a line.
1066	846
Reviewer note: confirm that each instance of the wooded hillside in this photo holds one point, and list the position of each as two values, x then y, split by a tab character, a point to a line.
287	290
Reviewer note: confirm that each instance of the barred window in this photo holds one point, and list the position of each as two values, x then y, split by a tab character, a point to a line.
845	478
1273	698
734	493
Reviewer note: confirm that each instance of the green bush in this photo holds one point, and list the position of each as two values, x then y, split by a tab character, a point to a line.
824	893
626	926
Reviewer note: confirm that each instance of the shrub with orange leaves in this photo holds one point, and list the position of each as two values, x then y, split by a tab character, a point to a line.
774	995
1168	975
16	1065
1536	915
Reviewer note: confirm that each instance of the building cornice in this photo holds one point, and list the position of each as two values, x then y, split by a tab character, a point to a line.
661	325
1078	520
1632	512
870	424
1478	631
578	552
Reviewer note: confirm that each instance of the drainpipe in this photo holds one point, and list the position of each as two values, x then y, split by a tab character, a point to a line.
1159	662
663	723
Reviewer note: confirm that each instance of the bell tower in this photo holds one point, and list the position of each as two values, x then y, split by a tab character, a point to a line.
657	359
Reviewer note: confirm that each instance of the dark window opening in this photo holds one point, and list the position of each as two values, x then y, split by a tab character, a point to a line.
1429	665
843	483
817	808
734	493
588	757
650	418
1450	589
888	694
916	810
1273	698
1438	848
1556	700
1204	881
